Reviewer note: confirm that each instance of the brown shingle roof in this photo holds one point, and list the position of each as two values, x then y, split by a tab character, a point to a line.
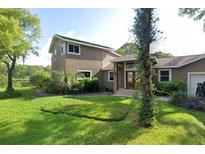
178	61
172	62
128	57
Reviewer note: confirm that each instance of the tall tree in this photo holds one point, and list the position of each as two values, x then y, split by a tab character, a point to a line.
128	48
160	54
194	13
19	31
144	31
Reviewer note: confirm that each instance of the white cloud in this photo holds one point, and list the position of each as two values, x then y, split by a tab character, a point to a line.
183	36
44	57
72	34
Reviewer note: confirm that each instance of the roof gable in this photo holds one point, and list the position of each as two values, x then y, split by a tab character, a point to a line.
68	39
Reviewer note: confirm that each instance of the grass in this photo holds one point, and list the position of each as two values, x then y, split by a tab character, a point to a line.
23	122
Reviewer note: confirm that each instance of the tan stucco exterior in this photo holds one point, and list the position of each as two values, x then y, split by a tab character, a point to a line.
180	73
90	58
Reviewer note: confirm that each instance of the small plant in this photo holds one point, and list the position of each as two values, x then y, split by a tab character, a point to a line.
177	98
54	87
190	102
40	80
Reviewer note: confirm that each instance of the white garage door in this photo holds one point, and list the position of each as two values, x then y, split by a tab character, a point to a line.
193	79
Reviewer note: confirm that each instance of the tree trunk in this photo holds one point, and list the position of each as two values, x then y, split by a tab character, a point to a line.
147	109
10	75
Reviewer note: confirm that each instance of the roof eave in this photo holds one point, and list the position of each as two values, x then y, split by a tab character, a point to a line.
81	43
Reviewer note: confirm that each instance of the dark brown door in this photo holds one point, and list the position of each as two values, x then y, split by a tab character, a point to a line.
130	79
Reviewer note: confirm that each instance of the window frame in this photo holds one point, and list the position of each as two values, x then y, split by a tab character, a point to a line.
159	74
73	53
109	76
91	74
130	69
62	45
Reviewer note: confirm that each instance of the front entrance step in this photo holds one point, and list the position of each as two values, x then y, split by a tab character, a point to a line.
124	92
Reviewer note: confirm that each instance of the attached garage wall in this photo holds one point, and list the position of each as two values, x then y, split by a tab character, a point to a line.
197	68
193	79
182	72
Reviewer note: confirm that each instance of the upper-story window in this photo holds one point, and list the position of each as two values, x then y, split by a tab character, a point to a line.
73	49
62	48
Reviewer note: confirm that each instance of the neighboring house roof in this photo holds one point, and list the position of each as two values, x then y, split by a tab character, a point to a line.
173	62
108	67
80	42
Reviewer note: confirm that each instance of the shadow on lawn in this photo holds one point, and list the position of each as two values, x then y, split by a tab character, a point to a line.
61	129
23	93
193	128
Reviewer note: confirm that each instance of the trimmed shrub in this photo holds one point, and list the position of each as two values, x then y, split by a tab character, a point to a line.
169	87
86	86
40	80
54	87
91	85
177	98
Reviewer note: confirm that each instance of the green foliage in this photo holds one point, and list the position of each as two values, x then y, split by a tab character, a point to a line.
160	54
171	86
128	48
3	80
40	80
91	85
177	98
54	87
25	71
19	30
86	85
21	83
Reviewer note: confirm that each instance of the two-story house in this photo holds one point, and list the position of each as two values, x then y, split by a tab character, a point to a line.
84	59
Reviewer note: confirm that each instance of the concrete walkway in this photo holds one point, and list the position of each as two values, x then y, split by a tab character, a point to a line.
130	93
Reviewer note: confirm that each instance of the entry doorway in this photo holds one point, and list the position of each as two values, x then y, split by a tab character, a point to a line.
130	79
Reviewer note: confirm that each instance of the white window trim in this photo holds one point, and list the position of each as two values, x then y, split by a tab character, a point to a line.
170	74
72	53
109	76
188	79
63	44
91	73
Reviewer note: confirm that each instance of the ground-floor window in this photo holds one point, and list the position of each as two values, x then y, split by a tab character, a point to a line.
81	74
164	75
110	75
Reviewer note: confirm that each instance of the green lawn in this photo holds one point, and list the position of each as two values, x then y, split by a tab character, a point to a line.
85	120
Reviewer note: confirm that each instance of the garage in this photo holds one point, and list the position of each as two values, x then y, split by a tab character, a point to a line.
193	79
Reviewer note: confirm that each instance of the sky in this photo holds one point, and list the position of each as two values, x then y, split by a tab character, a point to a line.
111	27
